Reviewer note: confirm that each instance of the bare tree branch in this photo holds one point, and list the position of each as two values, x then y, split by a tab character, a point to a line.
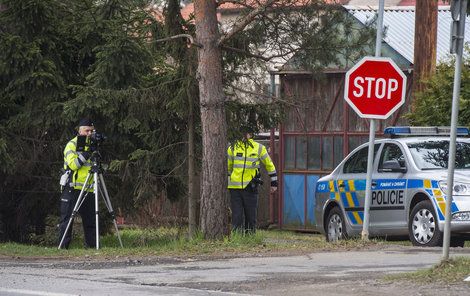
237	2
239	26
244	52
189	37
274	99
287	52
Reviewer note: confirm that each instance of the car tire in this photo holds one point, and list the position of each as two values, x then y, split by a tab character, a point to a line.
423	226
335	228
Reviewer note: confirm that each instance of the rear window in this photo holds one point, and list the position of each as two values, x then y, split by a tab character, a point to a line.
357	163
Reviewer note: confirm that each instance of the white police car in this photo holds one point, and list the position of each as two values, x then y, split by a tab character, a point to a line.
408	189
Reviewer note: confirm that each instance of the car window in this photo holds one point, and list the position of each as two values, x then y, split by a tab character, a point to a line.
357	163
431	155
391	152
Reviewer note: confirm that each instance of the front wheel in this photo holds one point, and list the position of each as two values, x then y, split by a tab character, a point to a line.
335	226
422	226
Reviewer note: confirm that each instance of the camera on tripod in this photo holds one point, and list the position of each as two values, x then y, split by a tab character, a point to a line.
93	142
96	139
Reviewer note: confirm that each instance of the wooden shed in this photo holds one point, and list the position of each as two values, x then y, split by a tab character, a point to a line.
321	129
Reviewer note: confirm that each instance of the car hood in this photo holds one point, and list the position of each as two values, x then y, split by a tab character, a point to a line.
459	176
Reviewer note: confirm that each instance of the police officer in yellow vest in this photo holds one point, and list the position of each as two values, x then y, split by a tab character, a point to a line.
77	164
244	159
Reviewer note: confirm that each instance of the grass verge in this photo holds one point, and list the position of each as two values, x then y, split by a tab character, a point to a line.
449	272
174	242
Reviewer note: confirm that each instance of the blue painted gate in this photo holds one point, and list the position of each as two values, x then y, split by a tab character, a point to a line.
298	202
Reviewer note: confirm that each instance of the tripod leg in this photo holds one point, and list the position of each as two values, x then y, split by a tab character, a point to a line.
95	175
79	202
107	201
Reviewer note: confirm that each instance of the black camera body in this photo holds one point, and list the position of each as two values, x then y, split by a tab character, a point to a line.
93	142
96	139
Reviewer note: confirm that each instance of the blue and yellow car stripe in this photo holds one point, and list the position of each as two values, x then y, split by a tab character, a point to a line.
438	197
345	191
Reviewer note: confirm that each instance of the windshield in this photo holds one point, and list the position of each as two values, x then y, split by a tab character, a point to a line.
431	155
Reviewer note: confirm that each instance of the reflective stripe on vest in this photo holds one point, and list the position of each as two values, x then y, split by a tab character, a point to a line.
77	184
264	156
70	152
241	166
232	183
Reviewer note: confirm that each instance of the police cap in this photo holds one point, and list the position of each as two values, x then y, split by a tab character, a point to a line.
85	122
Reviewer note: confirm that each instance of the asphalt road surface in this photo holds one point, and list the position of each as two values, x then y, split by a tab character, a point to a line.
325	273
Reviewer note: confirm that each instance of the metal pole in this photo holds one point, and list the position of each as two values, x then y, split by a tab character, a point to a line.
453	129
95	188
272	146
370	160
107	202
370	157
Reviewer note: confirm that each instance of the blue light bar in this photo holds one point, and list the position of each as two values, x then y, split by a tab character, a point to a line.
424	131
397	130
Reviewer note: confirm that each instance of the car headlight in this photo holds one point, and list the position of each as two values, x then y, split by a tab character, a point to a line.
459	188
461	216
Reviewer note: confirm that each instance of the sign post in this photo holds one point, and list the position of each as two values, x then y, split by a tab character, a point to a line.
375	88
458	10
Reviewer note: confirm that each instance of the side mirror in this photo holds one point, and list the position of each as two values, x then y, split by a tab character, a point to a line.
393	166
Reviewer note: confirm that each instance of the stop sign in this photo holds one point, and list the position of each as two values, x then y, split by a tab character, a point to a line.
375	87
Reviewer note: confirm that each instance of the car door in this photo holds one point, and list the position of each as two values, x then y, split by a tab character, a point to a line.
351	184
387	209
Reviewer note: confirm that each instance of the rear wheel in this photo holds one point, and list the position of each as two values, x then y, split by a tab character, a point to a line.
335	226
422	226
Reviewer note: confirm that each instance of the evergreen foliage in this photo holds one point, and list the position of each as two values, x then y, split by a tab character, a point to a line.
69	59
433	106
33	82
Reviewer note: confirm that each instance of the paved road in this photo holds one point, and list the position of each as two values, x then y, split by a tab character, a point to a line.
328	273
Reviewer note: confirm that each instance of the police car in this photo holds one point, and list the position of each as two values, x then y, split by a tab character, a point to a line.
408	188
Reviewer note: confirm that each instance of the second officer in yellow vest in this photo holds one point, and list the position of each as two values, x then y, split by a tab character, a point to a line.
244	160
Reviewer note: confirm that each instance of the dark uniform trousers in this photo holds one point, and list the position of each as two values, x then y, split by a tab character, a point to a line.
68	200
244	204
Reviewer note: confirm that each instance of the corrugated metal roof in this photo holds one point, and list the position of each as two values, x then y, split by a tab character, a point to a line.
399	24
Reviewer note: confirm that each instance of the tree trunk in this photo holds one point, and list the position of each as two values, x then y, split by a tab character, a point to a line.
192	195
425	43
214	144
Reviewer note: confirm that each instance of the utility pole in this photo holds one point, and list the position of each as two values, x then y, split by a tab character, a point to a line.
424	61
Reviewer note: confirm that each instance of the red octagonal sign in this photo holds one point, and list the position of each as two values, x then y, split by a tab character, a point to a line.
375	87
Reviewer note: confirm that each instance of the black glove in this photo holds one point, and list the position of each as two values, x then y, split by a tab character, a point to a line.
86	154
273	183
83	155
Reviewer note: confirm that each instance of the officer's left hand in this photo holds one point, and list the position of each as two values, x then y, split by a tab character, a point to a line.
86	154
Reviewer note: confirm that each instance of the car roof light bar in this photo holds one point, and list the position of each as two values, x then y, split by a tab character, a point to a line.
395	131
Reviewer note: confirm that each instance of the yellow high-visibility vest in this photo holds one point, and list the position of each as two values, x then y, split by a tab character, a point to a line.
80	166
244	160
